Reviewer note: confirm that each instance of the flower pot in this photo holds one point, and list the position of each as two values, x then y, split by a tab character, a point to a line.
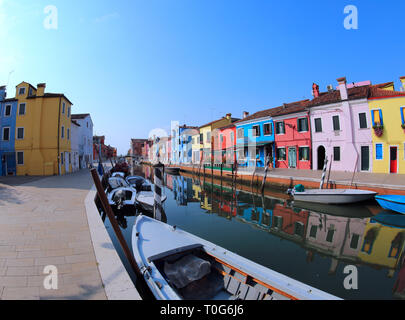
378	132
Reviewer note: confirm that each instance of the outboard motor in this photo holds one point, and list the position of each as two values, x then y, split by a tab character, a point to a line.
119	198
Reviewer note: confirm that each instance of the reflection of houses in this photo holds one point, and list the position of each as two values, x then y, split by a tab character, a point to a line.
290	222
183	190
382	245
339	237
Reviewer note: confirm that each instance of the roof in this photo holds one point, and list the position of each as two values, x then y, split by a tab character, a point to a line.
74	122
376	93
50	95
80	116
212	122
231	125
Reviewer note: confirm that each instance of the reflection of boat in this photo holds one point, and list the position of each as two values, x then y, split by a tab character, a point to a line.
172	170
333	196
392	202
350	211
390	219
178	265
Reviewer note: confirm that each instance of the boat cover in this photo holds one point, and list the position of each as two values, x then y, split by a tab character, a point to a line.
186	270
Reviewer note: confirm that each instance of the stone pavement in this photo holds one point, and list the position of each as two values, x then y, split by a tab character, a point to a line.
43	222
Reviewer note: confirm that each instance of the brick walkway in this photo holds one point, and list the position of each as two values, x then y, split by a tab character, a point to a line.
43	222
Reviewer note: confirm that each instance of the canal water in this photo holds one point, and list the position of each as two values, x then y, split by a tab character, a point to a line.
318	245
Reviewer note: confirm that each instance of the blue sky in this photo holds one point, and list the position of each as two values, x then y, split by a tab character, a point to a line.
137	65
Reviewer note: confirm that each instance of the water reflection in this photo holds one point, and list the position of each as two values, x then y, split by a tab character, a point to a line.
311	243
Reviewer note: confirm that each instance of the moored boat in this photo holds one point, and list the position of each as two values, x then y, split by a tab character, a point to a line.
390	219
392	202
333	196
180	266
172	170
146	197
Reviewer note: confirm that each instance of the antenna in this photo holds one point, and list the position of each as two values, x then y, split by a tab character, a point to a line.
9	74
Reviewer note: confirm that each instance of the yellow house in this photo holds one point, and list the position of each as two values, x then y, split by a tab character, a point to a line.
43	133
196	148
387	108
207	134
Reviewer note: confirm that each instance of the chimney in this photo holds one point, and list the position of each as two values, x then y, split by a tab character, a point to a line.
228	115
245	114
315	90
41	89
402	79
342	88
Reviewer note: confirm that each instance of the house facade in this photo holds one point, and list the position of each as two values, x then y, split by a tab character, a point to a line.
75	148
292	136
85	138
387	111
186	143
340	127
43	131
225	145
255	139
8	111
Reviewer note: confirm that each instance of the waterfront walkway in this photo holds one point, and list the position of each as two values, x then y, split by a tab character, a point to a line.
43	221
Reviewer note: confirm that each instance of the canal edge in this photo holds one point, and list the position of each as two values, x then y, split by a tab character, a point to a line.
116	281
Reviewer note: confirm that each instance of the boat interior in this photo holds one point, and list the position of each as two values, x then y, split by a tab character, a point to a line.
197	275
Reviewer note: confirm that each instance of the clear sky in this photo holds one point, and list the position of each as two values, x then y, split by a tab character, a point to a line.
137	65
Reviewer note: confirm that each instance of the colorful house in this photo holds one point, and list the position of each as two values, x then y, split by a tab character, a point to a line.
387	111
8	111
255	139
207	135
196	147
340	127
185	144
292	136
43	131
225	145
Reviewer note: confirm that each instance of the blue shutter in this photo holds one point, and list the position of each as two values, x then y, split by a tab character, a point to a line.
402	115
378	151
381	117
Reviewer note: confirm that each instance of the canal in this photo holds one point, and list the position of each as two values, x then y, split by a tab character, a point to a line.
312	244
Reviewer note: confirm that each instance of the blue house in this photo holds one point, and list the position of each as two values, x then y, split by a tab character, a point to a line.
255	139
8	112
185	146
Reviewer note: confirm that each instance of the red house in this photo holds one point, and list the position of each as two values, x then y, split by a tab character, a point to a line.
225	145
292	136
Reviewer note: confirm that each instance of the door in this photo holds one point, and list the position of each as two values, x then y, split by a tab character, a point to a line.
66	162
321	157
292	157
393	159
365	158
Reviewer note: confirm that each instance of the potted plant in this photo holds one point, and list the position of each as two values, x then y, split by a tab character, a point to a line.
378	130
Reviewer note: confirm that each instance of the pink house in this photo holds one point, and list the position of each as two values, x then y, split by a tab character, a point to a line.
341	127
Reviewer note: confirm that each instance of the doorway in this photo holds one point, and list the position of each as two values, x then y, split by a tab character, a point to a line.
365	158
321	157
393	159
292	157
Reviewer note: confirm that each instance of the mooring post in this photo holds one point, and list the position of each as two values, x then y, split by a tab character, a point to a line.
325	165
157	205
107	209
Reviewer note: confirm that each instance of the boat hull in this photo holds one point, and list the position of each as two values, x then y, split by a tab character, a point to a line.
393	203
334	196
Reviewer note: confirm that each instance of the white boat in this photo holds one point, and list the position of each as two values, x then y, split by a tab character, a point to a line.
180	266
333	196
145	196
120	193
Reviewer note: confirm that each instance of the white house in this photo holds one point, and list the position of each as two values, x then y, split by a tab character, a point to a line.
74	141
85	138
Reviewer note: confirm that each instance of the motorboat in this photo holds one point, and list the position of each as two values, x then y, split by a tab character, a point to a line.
390	219
177	265
145	196
392	202
120	193
333	196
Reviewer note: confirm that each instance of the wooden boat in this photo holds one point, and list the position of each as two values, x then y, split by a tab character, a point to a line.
390	219
180	266
172	170
333	196
392	202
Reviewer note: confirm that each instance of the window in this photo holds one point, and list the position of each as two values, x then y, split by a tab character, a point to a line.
20	158
362	120
232	139
7	110
336	153
267	129
336	123
281	155
376	116
299	229
70	159
62	135
208	137
278	222
6	134
313	231
20	133
21	109
63	107
303	153
201	137
68	112
61	158
318	125
302	125
87	124
256	131
330	234
354	241
240	133
379	151
68	133
280	129
21	91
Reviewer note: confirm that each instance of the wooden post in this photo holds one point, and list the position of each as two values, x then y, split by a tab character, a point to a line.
323	173
330	167
265	173
157	205
107	209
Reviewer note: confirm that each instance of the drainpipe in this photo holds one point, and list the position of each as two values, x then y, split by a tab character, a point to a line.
60	101
310	136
